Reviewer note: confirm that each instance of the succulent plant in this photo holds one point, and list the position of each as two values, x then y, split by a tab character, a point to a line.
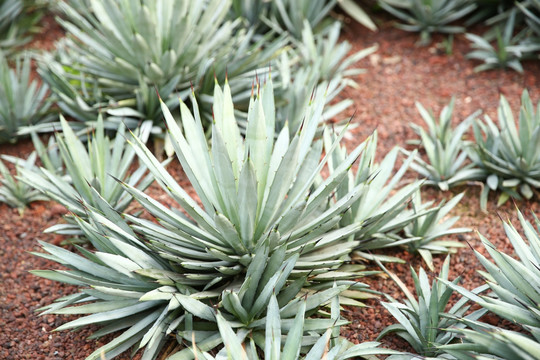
72	169
510	48
22	100
513	281
484	341
14	192
117	52
509	155
428	16
17	19
426	233
277	345
423	321
262	227
445	149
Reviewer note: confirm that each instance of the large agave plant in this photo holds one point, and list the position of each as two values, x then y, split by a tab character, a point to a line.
261	227
509	155
123	49
23	101
251	190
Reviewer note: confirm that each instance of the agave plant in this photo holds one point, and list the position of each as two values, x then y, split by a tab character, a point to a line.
484	341
97	164
424	232
16	193
513	281
323	69
17	19
445	149
263	228
510	48
327	345
250	189
510	156
22	100
117	59
428	16
423	322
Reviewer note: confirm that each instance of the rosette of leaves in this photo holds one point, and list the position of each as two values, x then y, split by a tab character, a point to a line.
17	19
513	281
22	100
14	192
510	46
426	231
428	16
509	154
119	52
71	169
251	191
445	149
424	320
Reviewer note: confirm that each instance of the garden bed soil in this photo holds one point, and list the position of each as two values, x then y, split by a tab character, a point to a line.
397	75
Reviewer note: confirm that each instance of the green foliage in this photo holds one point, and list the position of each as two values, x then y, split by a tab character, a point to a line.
428	16
483	341
445	149
22	101
327	345
381	212
290	15
509	47
17	19
423	320
91	170
16	193
425	231
509	155
321	69
513	281
121	50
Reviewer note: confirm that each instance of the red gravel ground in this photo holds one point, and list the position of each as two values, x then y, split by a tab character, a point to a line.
397	75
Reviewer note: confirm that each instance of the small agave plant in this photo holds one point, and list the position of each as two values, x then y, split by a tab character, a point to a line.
261	227
16	193
428	16
23	101
72	169
445	149
423	320
509	155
